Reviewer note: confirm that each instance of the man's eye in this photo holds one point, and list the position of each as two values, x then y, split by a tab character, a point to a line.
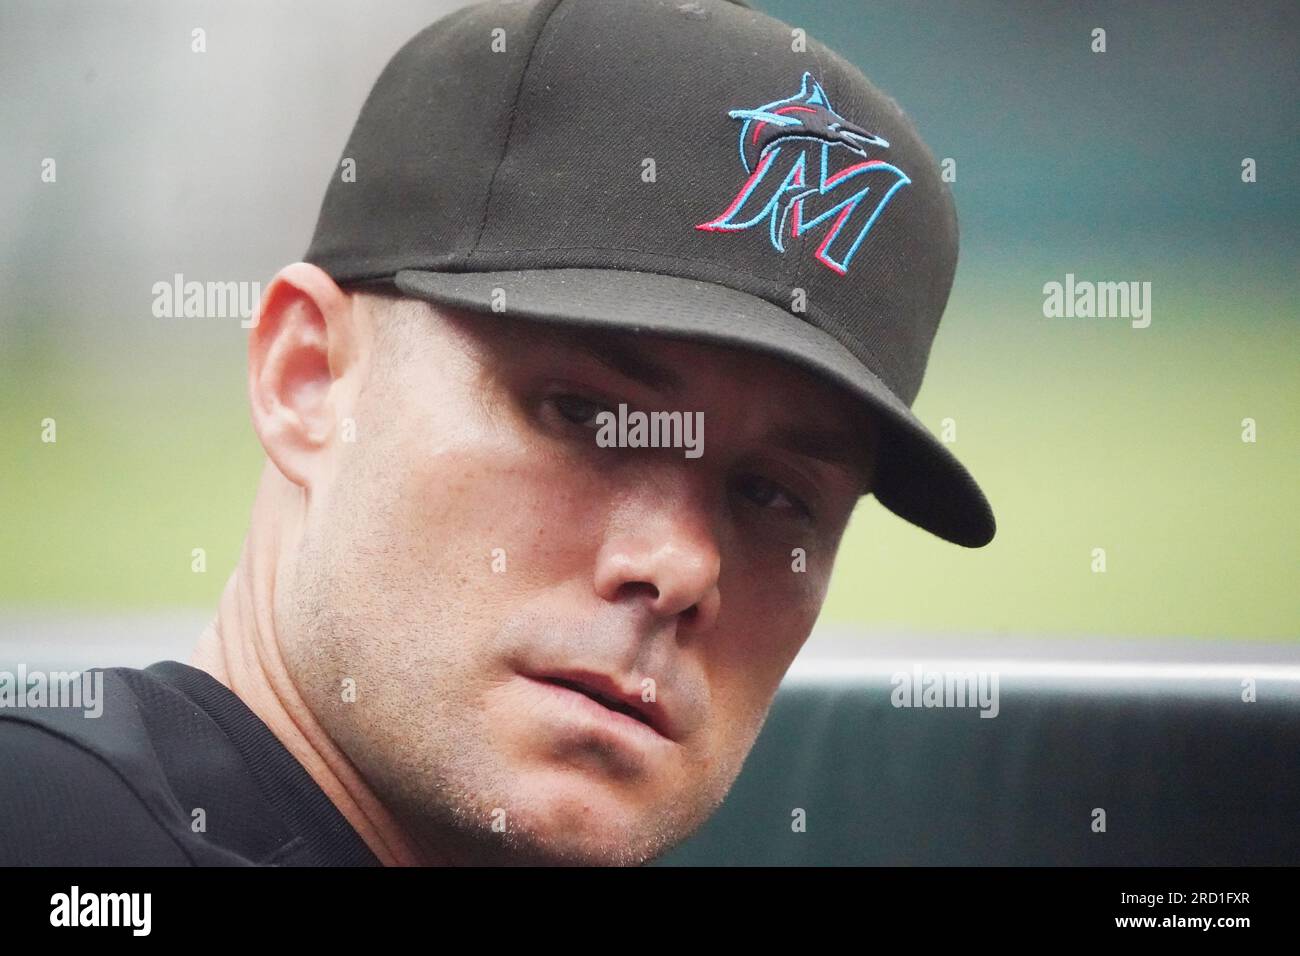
579	410
768	494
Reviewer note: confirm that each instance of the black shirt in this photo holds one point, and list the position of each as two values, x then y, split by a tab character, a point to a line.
123	788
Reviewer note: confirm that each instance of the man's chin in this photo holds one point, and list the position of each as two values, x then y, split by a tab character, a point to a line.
571	819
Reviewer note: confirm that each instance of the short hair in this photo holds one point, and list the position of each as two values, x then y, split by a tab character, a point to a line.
397	320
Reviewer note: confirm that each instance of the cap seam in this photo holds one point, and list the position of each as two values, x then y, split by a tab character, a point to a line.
390	271
801	256
510	128
780	280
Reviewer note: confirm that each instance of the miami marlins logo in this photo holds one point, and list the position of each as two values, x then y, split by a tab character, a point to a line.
786	149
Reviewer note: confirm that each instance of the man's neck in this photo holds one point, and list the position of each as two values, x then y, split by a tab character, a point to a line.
240	650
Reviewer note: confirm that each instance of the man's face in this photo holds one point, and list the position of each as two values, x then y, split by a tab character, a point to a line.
487	574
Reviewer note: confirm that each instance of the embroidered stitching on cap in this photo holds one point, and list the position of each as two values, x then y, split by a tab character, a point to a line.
776	141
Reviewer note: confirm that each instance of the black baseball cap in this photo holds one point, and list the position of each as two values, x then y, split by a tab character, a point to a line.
690	168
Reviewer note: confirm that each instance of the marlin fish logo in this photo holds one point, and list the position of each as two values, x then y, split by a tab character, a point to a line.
786	149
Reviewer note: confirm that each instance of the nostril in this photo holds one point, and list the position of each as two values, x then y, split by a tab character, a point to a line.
633	589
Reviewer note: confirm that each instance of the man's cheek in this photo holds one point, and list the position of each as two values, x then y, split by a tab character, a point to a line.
495	516
714	757
772	609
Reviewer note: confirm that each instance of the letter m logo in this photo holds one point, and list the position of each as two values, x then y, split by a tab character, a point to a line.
794	188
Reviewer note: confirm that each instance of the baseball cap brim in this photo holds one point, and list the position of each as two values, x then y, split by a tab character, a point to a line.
918	478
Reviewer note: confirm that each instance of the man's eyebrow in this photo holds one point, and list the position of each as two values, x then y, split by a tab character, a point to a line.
842	448
621	356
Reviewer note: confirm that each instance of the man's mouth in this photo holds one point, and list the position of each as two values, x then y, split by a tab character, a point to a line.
610	702
606	692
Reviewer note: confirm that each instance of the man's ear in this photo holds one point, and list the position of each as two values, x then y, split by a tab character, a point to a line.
304	364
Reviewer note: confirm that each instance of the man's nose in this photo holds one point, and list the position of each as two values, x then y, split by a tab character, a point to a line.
662	548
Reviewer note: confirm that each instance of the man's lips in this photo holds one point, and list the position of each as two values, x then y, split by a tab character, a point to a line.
611	694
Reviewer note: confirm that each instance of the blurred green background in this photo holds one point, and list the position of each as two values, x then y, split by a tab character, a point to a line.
1085	433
